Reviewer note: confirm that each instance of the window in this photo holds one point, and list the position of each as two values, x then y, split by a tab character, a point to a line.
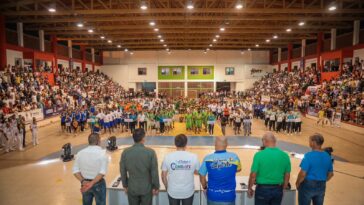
331	65
194	71
206	71
165	71
229	71
142	71
176	71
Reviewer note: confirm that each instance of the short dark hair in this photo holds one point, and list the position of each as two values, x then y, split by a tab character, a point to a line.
138	135
180	140
317	138
93	139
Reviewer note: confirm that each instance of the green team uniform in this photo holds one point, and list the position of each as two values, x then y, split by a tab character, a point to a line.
189	121
204	118
199	120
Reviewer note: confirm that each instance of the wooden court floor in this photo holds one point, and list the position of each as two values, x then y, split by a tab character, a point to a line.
27	180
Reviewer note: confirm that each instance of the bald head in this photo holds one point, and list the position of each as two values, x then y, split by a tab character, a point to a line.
269	140
221	143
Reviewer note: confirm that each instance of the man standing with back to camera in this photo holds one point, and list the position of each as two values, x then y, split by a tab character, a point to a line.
139	171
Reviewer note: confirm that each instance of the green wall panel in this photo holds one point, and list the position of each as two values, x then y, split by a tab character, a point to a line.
170	75
200	75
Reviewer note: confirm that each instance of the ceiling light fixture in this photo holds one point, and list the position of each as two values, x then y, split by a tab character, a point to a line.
256	45
288	29
161	40
90	31
165	45
156	29
52	10
152	23
109	41
332	8
190	5
119	46
239	5
102	37
302	23
126	50
131	53
214	40
222	29
210	45
159	36
207	49
217	36
80	25
268	40
143	6
275	36
249	49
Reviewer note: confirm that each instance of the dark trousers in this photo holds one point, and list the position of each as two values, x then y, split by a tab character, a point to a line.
268	195
143	125
24	133
140	199
289	127
223	127
98	191
132	127
82	125
188	201
266	122
297	126
161	127
211	129
272	125
279	126
313	191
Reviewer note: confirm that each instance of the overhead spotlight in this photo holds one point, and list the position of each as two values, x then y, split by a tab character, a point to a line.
332	8
167	49
119	46
190	5
268	40
109	41
210	45
214	40
205	52
152	23
165	45
131	53
159	36
288	29
242	52
222	29
143	6
207	49
156	29
256	45
217	36
52	10
102	37
275	36
80	25
90	31
67	152
239	5
249	49
161	40
111	144
302	23
126	50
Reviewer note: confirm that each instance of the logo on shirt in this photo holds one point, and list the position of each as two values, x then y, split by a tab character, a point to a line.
221	163
181	165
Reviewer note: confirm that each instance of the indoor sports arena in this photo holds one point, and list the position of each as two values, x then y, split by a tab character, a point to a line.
182	102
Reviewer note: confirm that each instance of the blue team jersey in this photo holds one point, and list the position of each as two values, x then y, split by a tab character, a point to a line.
221	168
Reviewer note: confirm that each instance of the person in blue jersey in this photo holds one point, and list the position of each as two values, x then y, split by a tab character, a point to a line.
316	170
83	120
63	121
221	168
78	117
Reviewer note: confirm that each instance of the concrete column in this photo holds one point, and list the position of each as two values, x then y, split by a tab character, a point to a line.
54	51
83	54
69	48
303	48
19	29
279	54
3	62
156	89
356	32
186	83
93	55
320	42
333	39
290	48
41	40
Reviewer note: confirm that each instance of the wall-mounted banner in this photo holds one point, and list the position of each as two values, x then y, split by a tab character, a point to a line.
200	72
171	72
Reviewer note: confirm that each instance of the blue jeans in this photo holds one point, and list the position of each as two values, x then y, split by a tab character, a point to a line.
219	203
98	191
268	195
313	191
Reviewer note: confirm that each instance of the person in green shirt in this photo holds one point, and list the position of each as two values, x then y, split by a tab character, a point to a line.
189	121
198	122
270	171
211	122
204	119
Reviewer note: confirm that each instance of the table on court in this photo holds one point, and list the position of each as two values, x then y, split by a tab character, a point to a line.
117	195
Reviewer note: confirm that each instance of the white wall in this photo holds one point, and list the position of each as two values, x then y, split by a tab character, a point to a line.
11	55
77	64
296	63
89	66
358	53
308	62
65	63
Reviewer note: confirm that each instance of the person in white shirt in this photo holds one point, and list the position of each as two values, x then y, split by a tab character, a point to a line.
89	168
178	169
142	121
34	129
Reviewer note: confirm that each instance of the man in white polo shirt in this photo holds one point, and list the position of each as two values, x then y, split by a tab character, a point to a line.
178	169
90	168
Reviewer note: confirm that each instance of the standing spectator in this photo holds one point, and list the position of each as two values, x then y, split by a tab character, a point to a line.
178	169
247	125
142	120
90	168
270	171
224	121
139	171
22	127
316	170
221	168
34	130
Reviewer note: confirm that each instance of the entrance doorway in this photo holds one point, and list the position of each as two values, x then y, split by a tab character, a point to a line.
223	86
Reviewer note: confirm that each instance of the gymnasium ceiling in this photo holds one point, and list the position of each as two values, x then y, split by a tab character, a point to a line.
125	24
